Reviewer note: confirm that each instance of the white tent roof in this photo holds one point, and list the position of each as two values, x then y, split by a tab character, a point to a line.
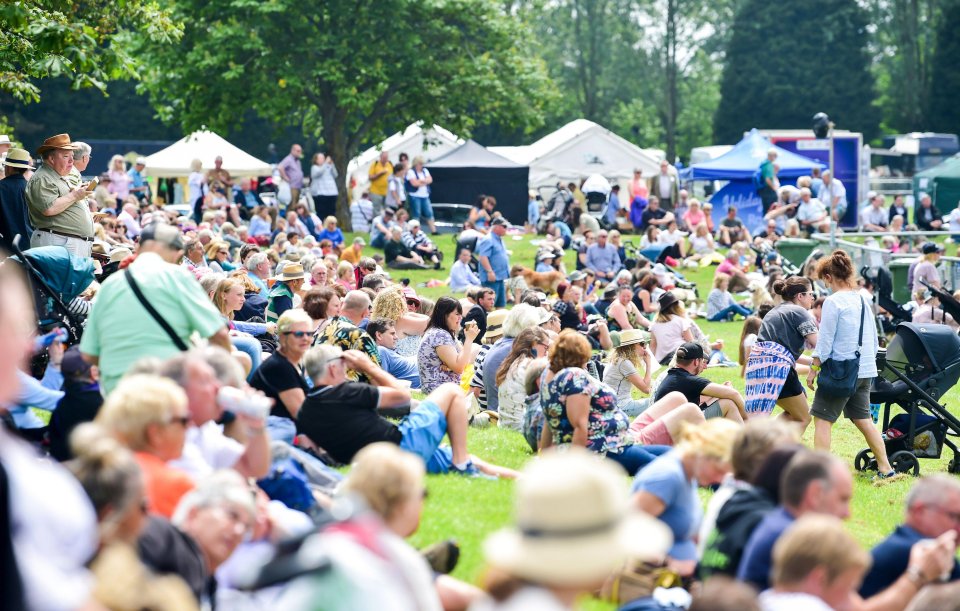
431	143
174	161
576	150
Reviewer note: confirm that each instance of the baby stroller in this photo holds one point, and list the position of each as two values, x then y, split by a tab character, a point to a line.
947	303
471	245
882	282
557	208
919	366
596	189
56	278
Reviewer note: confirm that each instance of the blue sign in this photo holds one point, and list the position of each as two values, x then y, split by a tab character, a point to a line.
743	195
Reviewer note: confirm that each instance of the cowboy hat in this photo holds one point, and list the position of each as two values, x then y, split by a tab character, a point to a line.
60	141
494	325
18	158
634	336
574	523
291	271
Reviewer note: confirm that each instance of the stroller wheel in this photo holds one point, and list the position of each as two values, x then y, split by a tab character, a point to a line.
905	462
865	461
954	466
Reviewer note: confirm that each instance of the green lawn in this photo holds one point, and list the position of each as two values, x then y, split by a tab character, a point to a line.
470	509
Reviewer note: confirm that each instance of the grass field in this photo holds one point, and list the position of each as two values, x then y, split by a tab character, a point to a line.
468	510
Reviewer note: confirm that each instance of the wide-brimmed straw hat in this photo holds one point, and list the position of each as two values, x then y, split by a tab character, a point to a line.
495	321
18	158
575	524
634	336
60	141
290	271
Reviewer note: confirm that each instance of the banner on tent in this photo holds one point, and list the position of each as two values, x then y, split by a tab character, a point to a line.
742	195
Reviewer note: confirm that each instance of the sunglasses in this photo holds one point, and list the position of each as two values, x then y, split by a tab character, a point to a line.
181	420
298	334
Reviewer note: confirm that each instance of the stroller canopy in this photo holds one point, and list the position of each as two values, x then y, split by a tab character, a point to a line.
915	343
64	274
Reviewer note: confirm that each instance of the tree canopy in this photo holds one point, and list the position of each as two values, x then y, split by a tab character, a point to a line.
348	71
781	81
943	112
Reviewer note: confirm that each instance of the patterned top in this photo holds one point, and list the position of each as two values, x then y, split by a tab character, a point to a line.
513	398
347	336
433	372
607	426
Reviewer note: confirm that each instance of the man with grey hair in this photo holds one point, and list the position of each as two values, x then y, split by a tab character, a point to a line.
342	416
138	182
258	268
833	195
932	510
345	333
812	214
81	159
57	210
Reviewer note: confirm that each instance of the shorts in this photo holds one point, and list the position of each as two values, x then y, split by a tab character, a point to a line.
647	431
420	208
712	409
856	407
791	386
422	431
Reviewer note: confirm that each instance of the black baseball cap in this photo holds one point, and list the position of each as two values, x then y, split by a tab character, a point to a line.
690	351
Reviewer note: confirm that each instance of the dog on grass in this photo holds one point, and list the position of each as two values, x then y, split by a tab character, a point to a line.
545	281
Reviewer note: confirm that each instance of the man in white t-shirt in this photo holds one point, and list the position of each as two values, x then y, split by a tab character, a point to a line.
420	180
833	195
812	214
207	449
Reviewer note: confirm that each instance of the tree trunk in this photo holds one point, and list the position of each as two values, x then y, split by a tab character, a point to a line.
336	144
670	70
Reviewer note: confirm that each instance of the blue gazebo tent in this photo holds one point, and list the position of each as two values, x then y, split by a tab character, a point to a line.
742	162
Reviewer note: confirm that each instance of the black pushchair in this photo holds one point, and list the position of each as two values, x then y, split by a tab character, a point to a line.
557	208
919	366
947	302
56	278
471	245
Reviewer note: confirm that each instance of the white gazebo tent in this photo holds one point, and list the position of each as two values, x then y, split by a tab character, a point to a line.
428	142
577	150
174	161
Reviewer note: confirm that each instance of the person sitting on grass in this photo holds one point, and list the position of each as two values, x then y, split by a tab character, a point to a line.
715	400
384	332
623	314
418	242
399	256
720	303
341	416
331	232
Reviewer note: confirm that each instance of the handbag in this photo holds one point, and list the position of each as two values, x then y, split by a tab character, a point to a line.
838	378
177	341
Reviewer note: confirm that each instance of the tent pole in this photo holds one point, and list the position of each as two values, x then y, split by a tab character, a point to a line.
833	221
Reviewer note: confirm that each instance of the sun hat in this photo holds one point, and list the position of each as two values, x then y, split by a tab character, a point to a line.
291	271
543	255
610	291
141	161
409	293
413	223
359	241
60	141
18	158
163	233
574	523
545	316
576	276
5	139
119	254
495	322
666	300
634	336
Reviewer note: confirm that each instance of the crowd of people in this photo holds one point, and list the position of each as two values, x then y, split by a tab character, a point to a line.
232	358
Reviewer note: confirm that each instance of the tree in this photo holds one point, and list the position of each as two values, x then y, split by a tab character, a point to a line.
943	114
84	41
773	81
347	71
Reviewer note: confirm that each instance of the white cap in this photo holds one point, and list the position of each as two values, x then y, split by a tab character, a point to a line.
141	161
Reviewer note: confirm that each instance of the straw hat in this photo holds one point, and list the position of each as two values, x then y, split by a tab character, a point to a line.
494	325
290	271
633	336
119	254
18	158
60	141
574	523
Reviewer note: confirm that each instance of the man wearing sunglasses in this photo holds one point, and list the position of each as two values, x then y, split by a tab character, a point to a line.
715	400
933	508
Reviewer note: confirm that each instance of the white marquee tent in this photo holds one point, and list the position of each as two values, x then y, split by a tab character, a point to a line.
577	150
174	161
430	142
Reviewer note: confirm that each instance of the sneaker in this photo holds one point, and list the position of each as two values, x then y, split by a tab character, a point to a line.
470	471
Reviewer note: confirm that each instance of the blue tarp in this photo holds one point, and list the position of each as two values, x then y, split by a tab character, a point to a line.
743	161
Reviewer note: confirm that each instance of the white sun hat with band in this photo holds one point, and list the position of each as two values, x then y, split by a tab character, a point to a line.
575	524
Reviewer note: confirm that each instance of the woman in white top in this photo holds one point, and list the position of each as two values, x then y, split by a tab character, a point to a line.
845	313
511	376
323	185
420	181
671	328
197	183
701	242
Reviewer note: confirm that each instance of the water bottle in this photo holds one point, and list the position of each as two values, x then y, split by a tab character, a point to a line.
875	412
247	403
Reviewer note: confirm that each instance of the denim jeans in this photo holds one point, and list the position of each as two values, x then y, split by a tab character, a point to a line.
420	208
729	311
635	457
251	347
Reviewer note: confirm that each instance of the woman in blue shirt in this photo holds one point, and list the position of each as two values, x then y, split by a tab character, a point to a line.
844	313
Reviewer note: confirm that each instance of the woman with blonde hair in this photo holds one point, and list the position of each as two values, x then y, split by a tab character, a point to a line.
281	377
149	415
331	232
530	344
119	183
110	475
667	487
217	253
394	304
229	297
345	276
323	184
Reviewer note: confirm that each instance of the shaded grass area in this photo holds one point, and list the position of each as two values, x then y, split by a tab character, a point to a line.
468	510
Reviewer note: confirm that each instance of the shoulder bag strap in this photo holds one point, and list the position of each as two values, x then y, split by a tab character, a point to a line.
179	343
863	311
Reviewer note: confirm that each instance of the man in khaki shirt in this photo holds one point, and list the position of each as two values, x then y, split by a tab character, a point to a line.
57	212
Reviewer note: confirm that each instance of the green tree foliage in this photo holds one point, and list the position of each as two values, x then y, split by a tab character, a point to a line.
348	71
780	81
83	41
944	112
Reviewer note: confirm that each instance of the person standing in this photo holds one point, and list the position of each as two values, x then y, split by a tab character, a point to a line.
138	182
292	172
379	177
5	147
219	175
770	184
420	179
323	185
494	263
14	216
846	332
57	211
664	186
